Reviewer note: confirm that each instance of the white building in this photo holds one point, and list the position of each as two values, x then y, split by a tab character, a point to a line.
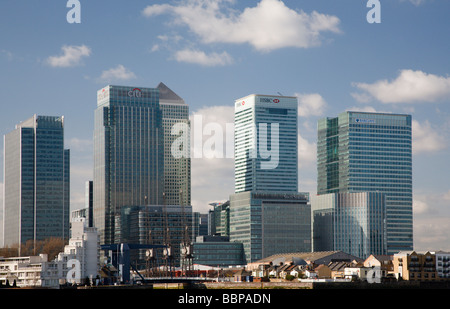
79	261
29	271
443	264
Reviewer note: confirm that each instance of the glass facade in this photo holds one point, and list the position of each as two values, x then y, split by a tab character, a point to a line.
266	144
217	251
269	223
349	222
368	152
128	155
177	162
156	225
37	181
267	214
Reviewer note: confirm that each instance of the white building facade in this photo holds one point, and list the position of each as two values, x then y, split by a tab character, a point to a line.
78	262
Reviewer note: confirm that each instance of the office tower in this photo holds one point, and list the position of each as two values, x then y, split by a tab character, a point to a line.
269	223
267	214
128	155
220	219
349	222
177	162
156	225
36	200
370	152
266	144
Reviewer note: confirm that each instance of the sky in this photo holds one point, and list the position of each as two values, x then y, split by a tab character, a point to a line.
213	52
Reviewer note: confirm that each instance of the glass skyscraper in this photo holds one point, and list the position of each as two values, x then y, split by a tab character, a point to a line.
266	144
370	152
128	155
177	162
349	222
36	201
267	214
134	161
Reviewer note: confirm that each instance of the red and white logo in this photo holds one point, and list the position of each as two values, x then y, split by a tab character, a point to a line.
276	101
135	93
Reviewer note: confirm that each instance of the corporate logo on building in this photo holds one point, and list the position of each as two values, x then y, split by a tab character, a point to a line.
269	100
104	93
238	104
362	120
135	93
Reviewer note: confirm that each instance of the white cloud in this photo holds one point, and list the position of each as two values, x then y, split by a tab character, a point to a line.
409	87
307	152
415	2
268	26
71	56
210	124
430	234
447	196
420	207
80	172
366	109
311	104
426	138
212	178
117	73
200	57
78	144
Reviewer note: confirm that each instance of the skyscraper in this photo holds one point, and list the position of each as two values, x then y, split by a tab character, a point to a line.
266	144
349	222
177	168
128	155
267	214
370	152
134	161
36	200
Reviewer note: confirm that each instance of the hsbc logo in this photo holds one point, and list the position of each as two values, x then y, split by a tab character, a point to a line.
135	93
239	104
269	100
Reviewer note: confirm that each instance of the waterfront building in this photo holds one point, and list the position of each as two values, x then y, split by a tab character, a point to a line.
268	223
177	162
159	225
128	155
266	144
218	251
77	264
370	152
134	161
415	266
443	264
267	214
36	200
349	222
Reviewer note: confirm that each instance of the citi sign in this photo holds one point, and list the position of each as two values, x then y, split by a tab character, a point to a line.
268	100
135	93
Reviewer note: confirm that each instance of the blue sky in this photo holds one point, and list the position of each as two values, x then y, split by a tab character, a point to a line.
213	52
